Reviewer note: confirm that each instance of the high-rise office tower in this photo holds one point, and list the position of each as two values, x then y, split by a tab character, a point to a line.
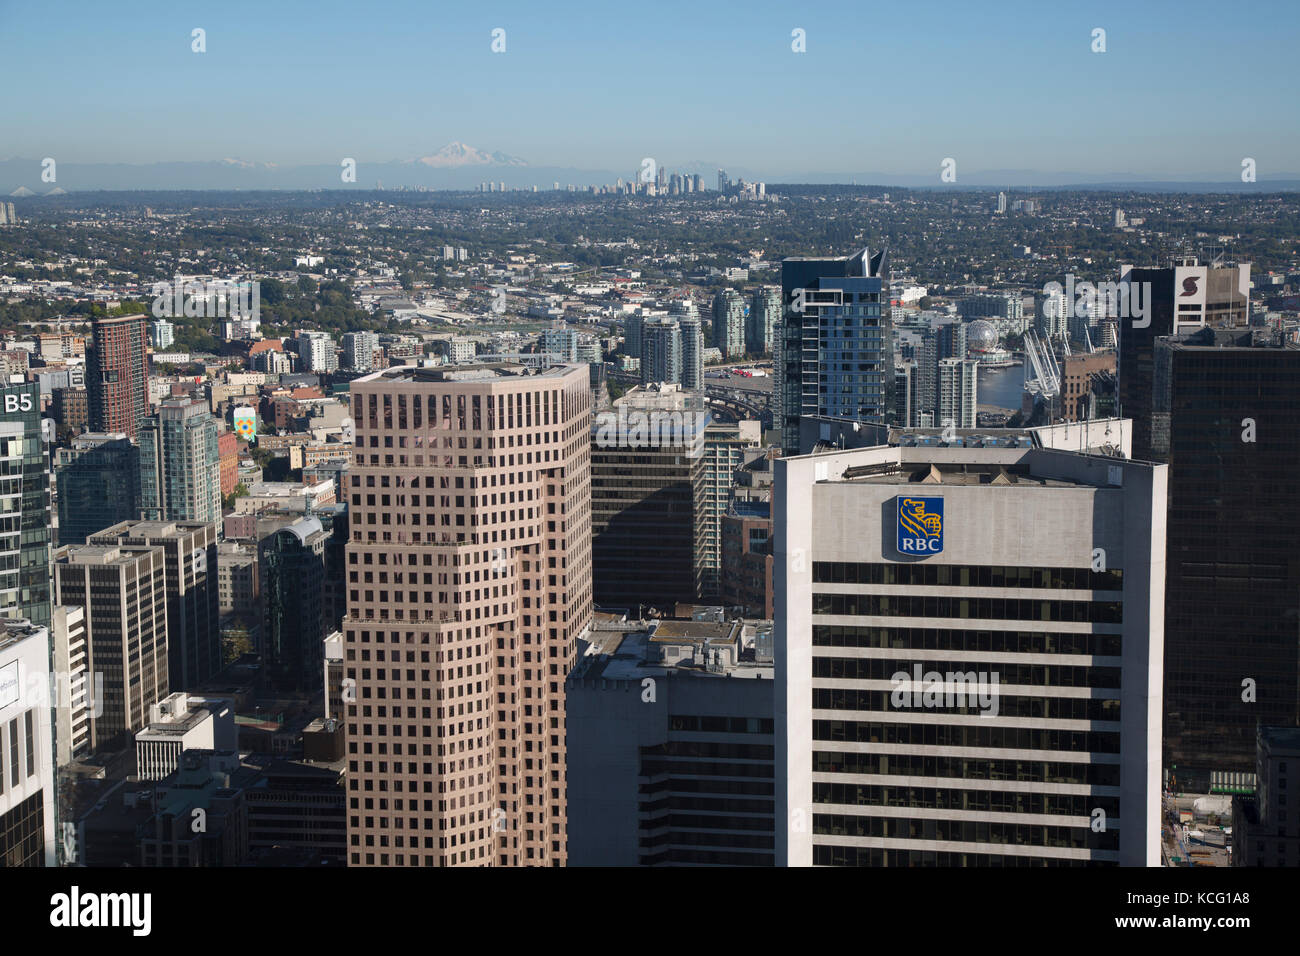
27	791
649	499
764	317
968	649
661	351
957	393
180	463
193	595
98	481
359	350
1178	299
469	586
116	379
1002	203
291	573
837	352
729	323
123	590
1226	418
24	507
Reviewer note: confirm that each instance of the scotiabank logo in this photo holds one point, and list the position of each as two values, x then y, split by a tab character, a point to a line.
920	525
1189	285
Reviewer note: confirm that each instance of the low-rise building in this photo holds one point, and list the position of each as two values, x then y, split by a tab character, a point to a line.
671	745
181	722
1266	826
285	496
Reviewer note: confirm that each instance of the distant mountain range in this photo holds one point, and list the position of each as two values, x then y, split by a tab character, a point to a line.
460	166
454	166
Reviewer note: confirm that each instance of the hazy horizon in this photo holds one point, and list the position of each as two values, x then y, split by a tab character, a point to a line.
889	93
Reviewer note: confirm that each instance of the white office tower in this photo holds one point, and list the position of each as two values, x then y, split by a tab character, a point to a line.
27	793
957	392
969	647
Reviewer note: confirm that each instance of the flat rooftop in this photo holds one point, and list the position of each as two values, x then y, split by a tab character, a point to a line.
962	438
106	554
1215	339
288	489
705	632
923	466
484	372
15	631
1282	738
949	473
152	529
633	653
175	726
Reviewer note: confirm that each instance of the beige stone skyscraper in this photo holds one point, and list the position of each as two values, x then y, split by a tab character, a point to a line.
469	585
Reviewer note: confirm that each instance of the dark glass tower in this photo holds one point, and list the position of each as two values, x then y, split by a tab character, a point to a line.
24	507
1226	418
1182	298
292	568
99	485
837	342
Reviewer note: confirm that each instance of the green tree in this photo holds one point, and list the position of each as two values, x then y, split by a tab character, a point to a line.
228	502
236	641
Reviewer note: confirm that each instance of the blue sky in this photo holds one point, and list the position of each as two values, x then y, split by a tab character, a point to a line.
883	87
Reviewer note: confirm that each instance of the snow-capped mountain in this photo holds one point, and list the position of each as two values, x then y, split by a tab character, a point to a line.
458	154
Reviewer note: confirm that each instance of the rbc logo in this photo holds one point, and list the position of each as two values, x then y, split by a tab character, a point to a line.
920	525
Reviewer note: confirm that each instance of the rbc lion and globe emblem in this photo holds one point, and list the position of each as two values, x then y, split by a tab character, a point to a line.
920	525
